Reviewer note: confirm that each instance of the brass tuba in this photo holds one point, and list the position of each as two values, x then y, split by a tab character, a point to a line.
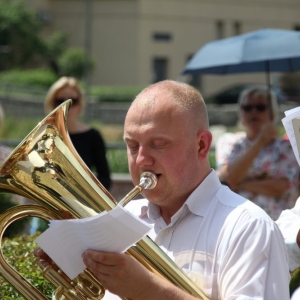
46	168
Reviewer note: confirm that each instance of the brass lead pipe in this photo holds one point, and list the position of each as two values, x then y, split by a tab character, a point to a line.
148	180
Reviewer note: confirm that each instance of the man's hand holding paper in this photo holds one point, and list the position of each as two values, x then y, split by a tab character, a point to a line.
113	231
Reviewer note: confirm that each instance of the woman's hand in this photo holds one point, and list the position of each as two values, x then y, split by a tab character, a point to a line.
268	133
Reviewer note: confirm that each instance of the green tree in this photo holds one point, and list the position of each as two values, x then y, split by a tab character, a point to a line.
19	41
55	45
21	45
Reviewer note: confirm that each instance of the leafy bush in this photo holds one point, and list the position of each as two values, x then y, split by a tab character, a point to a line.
17	129
16	227
36	77
117	160
115	93
295	281
72	63
18	253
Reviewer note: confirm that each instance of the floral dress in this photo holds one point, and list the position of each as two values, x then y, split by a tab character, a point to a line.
275	160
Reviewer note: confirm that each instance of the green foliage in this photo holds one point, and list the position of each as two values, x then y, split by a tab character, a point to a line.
19	28
212	159
295	281
18	253
72	63
17	129
34	77
16	227
115	93
117	160
55	45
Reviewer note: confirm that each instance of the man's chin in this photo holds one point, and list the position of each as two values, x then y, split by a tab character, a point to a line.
150	195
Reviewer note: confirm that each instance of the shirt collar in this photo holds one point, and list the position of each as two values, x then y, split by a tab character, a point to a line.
197	202
200	199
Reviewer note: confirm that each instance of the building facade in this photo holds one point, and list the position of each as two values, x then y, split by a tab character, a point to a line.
138	42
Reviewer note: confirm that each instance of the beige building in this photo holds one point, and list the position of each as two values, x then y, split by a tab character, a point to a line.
137	42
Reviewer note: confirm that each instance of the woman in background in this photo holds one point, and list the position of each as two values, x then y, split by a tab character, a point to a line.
256	163
87	141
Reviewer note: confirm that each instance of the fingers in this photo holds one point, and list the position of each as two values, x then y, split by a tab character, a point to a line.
267	134
94	258
66	214
105	263
38	252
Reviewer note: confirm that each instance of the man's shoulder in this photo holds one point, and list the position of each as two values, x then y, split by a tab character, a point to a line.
238	204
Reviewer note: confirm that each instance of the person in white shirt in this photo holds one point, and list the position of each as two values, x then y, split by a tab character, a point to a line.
289	224
225	243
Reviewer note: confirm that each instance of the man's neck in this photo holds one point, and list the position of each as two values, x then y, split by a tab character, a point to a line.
168	213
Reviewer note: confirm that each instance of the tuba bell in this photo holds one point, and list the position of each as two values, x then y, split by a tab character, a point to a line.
46	168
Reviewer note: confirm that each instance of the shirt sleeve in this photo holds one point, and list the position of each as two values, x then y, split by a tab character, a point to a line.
289	224
255	265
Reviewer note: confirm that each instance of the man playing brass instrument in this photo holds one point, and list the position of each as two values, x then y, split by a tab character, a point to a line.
225	243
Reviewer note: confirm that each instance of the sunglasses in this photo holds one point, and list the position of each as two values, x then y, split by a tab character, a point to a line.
257	107
59	101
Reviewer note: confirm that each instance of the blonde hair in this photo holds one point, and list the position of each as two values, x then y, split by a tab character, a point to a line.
258	91
60	84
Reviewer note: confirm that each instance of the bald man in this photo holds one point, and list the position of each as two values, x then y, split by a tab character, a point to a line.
225	243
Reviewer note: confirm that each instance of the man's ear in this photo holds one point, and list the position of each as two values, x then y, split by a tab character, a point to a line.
204	140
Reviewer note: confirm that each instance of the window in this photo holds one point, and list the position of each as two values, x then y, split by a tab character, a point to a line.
220	29
237	28
160	68
44	16
162	37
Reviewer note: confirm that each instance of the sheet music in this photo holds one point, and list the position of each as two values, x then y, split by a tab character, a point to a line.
291	123
113	231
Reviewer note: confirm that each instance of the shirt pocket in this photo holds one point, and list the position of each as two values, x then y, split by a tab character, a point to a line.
208	284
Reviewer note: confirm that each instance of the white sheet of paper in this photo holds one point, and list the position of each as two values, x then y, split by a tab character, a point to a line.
287	123
114	231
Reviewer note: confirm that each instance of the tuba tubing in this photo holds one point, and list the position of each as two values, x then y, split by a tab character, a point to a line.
46	168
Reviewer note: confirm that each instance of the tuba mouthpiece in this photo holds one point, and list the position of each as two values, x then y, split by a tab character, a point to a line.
148	180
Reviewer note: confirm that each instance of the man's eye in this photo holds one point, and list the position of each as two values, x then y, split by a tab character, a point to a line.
132	147
160	145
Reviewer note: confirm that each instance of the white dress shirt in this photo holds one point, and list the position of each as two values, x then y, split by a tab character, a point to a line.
296	294
289	224
227	244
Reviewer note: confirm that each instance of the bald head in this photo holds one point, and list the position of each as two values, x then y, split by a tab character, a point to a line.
166	131
188	99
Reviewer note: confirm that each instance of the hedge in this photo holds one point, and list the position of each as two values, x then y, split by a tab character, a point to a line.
18	252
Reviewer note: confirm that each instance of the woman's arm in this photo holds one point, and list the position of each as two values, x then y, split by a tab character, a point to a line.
236	171
273	187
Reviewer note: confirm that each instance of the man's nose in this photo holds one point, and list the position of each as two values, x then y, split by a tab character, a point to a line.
144	157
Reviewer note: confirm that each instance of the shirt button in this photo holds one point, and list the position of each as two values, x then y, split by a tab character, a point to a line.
166	231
